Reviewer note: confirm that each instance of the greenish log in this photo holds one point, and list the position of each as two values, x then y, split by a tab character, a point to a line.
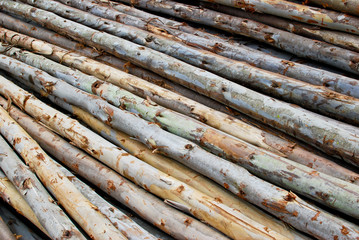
172	121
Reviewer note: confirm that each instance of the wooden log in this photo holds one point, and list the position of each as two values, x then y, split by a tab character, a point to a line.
232	178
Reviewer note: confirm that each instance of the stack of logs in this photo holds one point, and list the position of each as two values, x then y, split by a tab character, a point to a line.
118	122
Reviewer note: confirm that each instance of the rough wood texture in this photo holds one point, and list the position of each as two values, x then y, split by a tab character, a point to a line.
184	105
295	44
86	214
154	180
169	120
304	125
49	214
178	171
316	76
234	178
316	98
10	195
147	206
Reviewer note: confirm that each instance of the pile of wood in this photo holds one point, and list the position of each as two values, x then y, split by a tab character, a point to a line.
237	120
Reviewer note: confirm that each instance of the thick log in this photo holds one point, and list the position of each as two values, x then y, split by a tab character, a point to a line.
235	178
298	12
317	98
285	117
36	196
5	232
86	214
316	76
344	40
10	195
295	44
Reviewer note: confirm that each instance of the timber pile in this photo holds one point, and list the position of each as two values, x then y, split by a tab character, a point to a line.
114	118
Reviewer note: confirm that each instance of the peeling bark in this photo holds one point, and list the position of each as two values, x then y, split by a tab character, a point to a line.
284	204
316	76
86	214
288	118
214	118
49	214
344	40
295	44
171	121
178	171
317	98
10	195
225	219
58	147
147	206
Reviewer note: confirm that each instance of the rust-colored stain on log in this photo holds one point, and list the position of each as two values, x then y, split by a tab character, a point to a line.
344	230
180	189
111	185
188	222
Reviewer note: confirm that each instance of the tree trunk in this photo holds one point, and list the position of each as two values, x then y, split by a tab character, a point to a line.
10	195
295	44
293	120
48	213
319	99
298	12
234	178
86	214
344	40
5	233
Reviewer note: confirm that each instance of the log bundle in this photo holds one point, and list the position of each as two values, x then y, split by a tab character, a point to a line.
162	120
